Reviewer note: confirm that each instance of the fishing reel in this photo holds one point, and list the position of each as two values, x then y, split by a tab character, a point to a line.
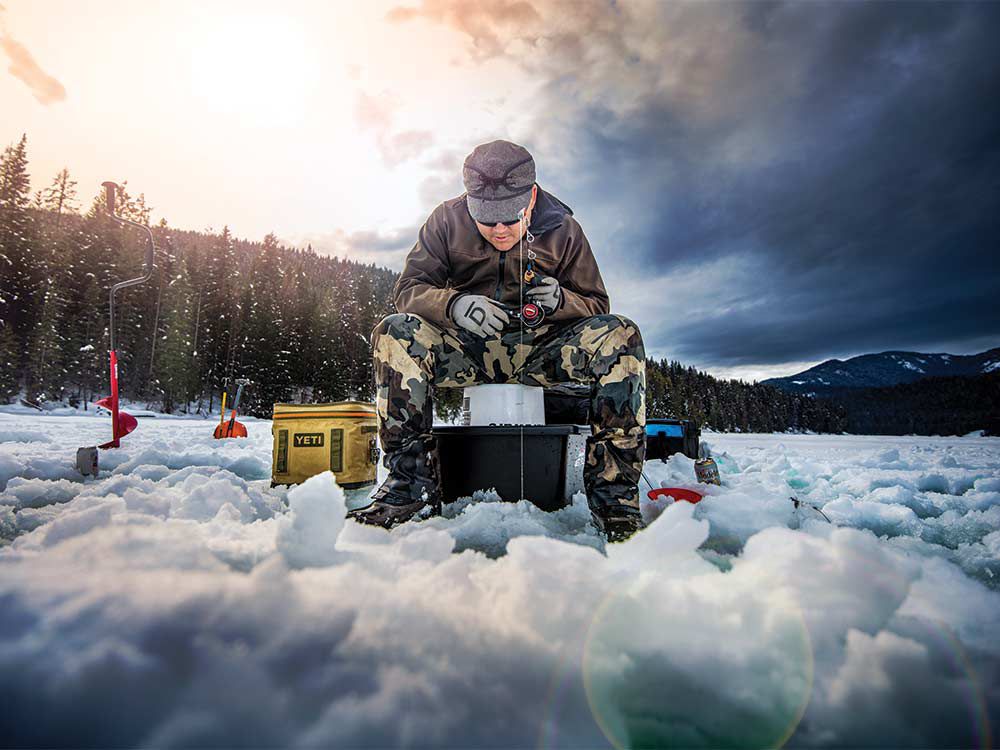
529	314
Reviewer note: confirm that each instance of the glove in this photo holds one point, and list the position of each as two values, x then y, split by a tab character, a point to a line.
546	294
479	315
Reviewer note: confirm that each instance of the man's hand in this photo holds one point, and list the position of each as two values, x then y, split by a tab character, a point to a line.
546	294
479	315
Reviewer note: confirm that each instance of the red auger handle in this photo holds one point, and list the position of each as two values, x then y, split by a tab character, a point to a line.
115	430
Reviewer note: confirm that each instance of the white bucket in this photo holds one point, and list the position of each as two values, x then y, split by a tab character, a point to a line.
507	403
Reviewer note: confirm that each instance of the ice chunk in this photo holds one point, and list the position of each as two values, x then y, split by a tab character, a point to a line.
23	436
69	525
307	536
36	493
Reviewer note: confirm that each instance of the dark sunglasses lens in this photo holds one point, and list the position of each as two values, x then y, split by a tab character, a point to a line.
510	223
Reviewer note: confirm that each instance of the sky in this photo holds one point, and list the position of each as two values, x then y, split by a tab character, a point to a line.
765	185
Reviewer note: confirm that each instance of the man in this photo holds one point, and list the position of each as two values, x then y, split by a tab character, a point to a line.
474	259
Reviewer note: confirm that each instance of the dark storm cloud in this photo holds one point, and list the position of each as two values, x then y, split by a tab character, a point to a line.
880	216
851	151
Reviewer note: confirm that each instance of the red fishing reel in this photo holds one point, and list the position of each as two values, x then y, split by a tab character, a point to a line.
532	315
529	314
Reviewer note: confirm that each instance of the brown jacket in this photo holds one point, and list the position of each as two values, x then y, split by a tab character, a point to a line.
452	258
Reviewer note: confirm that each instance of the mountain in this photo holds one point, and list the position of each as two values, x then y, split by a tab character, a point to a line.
885	369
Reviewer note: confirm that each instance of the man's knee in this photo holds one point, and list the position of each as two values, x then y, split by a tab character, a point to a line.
621	329
613	320
400	326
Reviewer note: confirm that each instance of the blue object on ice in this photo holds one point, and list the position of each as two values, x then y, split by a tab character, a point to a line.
670	430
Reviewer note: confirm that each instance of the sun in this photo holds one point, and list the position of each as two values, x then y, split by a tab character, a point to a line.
255	65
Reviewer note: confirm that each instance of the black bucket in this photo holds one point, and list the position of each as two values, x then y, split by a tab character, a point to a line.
483	458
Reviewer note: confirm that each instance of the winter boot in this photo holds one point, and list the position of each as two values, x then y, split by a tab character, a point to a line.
611	480
617	524
387	515
614	504
412	487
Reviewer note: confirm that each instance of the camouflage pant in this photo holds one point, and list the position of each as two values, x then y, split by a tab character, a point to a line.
603	351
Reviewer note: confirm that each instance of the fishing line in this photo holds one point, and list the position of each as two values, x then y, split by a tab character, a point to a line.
525	234
520	286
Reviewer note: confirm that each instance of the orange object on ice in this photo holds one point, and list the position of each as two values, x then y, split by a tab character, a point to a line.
232	428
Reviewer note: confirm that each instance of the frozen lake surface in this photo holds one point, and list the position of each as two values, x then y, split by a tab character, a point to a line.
179	600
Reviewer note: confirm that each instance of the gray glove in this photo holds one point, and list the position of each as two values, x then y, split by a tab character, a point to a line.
479	315
546	294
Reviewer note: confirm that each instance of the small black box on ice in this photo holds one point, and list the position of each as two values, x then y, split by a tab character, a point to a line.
665	437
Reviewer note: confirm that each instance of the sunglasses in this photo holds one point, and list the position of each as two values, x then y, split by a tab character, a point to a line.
510	223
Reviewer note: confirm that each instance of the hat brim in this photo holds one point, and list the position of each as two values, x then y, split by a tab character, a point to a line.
492	211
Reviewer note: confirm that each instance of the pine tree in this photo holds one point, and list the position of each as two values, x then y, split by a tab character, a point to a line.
60	196
218	310
84	324
45	368
8	364
263	351
173	363
18	277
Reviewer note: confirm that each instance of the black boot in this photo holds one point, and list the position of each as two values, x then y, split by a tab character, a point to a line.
387	515
412	487
614	504
617	524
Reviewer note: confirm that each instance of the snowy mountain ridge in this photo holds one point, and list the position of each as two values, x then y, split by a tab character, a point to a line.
885	369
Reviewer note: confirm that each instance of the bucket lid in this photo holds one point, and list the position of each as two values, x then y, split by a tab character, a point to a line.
333	409
506	430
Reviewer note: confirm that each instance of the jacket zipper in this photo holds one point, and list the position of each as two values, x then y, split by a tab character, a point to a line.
503	262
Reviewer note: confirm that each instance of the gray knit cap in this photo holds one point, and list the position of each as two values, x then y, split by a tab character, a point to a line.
498	177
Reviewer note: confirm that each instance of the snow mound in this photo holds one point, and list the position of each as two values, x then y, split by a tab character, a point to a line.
307	535
23	436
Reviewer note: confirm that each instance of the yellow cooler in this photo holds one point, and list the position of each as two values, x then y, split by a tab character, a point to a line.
312	438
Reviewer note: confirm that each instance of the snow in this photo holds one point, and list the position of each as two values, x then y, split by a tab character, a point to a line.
23	436
178	599
317	511
991	366
910	366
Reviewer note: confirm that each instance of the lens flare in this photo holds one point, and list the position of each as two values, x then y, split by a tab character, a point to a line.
655	657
